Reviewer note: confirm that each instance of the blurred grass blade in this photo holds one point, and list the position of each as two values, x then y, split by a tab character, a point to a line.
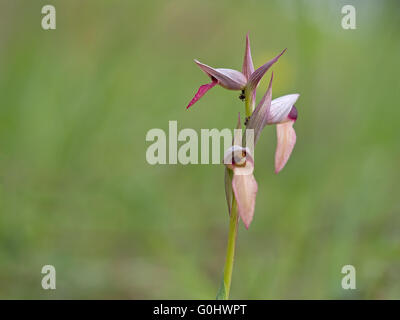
221	295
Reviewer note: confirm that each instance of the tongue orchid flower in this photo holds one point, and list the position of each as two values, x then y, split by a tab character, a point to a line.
240	185
239	161
230	79
282	112
244	185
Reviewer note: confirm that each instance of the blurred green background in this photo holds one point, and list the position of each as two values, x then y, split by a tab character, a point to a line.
76	191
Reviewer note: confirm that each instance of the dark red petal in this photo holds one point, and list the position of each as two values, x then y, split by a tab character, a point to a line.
293	113
202	90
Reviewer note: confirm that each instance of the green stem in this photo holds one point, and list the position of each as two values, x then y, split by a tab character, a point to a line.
223	292
230	251
248	105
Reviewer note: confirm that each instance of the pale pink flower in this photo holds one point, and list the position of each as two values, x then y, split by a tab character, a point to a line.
238	160
243	184
282	112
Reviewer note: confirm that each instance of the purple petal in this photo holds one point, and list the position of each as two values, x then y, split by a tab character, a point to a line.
281	107
227	78
293	114
258	119
286	141
245	189
202	90
248	67
257	75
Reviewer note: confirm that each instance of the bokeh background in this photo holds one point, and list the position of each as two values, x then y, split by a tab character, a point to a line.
76	191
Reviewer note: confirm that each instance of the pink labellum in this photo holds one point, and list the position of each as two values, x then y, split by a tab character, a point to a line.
248	67
201	92
227	78
286	141
244	185
245	189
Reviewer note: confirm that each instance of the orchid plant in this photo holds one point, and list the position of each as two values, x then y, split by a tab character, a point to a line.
240	184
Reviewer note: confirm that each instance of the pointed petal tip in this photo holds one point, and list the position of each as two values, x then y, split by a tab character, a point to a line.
279	169
279	55
248	66
201	92
246	223
256	76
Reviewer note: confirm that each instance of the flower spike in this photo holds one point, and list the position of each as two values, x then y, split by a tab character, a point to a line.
240	185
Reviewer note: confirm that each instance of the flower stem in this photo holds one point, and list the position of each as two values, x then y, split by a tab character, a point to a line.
223	293
248	104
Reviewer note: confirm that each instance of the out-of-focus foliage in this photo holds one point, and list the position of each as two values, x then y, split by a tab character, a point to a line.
76	190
